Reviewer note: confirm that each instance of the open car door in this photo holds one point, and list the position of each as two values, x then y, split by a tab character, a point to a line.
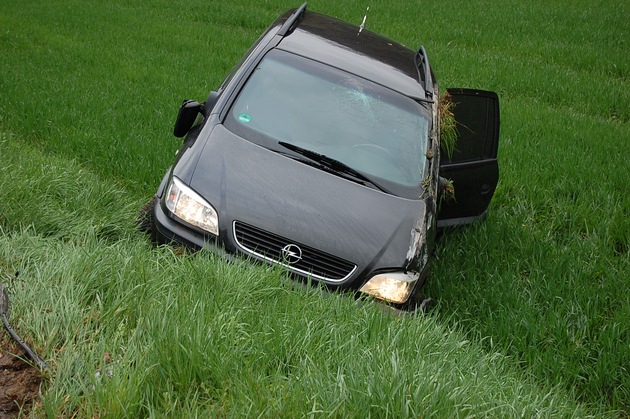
473	167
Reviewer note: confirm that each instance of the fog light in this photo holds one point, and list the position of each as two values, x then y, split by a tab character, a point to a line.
394	287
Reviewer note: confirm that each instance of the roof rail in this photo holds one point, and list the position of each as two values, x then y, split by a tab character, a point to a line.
424	71
292	20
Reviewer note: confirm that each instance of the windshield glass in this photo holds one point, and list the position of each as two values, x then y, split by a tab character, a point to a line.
370	128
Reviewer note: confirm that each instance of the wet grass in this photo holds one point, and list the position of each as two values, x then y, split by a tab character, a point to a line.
533	302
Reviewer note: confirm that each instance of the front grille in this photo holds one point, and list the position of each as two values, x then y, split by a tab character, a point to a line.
270	247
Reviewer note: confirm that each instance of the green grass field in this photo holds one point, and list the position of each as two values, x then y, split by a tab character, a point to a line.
533	305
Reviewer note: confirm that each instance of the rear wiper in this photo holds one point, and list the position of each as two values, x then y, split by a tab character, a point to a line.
336	166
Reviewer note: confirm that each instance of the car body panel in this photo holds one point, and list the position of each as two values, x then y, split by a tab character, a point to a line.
367	55
302	204
473	167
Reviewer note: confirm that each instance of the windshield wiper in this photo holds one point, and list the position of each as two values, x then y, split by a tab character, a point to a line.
334	165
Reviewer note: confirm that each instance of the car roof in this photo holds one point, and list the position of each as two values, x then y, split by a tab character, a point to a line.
361	52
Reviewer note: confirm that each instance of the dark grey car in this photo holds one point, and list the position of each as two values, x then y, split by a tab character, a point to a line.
321	152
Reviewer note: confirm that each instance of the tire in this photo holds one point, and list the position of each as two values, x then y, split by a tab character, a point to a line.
146	216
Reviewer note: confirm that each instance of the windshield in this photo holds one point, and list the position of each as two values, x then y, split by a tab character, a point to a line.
368	127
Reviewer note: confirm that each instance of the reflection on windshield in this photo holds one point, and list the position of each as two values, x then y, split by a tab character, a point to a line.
366	126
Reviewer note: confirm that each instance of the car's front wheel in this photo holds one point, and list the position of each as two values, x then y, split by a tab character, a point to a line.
146	216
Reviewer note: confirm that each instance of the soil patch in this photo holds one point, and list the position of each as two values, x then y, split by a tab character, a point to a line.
19	381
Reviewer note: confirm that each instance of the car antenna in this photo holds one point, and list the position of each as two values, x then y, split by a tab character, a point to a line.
364	19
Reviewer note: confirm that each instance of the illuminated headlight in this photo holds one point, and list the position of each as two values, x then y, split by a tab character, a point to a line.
394	287
190	207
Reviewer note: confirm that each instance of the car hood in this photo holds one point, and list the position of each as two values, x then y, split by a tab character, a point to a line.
305	205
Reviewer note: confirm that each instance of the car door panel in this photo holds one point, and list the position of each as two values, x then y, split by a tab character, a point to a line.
473	168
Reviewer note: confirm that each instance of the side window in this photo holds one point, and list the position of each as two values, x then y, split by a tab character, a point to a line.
477	117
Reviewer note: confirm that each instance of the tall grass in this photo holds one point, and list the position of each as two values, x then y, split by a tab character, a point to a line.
132	330
545	278
533	302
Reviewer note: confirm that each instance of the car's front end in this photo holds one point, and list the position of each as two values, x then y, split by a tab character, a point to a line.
254	202
322	158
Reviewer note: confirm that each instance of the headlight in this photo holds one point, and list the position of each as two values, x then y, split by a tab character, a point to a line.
190	207
394	287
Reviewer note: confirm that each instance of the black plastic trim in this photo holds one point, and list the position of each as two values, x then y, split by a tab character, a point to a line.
292	21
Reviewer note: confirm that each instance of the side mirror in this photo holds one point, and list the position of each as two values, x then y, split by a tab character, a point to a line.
186	117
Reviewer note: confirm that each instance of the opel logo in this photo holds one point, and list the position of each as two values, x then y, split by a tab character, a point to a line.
291	254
